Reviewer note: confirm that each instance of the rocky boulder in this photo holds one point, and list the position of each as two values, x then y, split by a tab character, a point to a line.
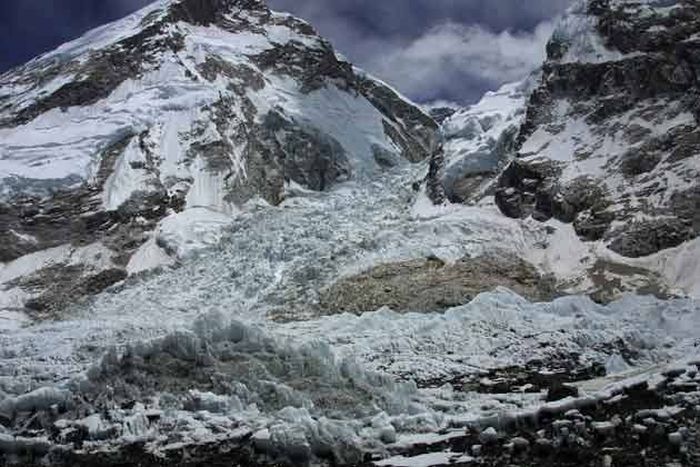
428	285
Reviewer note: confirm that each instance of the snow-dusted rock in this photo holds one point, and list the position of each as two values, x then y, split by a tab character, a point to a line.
610	141
604	140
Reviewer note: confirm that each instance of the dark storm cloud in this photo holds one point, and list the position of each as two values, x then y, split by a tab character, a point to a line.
436	49
429	49
409	18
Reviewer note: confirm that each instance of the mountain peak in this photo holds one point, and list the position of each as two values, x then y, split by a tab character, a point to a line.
180	115
205	12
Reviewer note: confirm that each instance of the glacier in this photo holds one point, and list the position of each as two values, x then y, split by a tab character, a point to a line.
304	386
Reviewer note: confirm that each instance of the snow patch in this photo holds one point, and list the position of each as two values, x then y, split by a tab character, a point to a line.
148	257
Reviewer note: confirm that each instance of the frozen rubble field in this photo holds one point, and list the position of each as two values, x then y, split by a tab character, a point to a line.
191	354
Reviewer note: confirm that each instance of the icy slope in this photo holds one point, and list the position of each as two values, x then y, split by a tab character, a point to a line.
184	108
479	140
274	260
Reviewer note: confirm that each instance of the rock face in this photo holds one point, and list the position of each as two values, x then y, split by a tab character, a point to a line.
610	141
601	143
185	105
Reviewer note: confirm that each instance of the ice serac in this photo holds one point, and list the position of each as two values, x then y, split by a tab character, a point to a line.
205	105
479	141
610	141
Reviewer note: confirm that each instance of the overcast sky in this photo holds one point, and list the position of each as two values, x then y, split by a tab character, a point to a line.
429	49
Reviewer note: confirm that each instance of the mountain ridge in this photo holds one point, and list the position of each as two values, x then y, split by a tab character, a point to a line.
187	104
632	79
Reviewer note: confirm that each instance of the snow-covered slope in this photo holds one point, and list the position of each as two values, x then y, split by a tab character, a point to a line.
186	111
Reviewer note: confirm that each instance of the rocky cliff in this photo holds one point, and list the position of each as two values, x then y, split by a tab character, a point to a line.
611	142
603	140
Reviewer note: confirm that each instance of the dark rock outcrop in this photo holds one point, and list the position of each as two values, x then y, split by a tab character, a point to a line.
206	12
643	238
408	126
440	114
307	156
